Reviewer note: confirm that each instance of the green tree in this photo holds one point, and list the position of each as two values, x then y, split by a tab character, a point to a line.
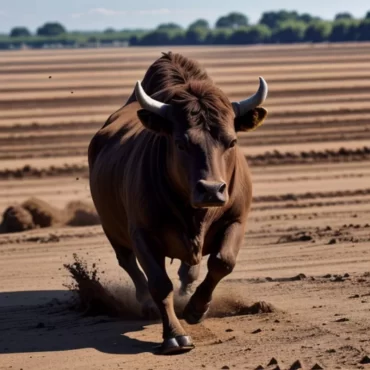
134	40
259	33
367	16
155	38
162	37
363	30
289	32
92	39
109	30
251	35
195	36
177	38
308	18
232	20
343	15
273	19
51	29
239	36
168	26
199	24
318	31
20	32
219	36
343	30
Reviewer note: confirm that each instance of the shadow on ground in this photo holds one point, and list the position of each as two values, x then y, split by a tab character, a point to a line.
41	321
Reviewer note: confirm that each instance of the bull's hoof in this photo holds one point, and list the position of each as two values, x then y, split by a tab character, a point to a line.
173	346
192	316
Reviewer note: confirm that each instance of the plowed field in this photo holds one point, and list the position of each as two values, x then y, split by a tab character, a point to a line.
307	248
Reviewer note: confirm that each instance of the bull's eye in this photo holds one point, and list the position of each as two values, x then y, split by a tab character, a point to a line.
232	143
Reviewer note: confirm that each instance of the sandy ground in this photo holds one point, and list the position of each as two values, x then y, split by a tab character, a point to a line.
306	251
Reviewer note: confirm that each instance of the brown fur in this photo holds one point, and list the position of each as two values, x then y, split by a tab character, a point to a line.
143	186
176	79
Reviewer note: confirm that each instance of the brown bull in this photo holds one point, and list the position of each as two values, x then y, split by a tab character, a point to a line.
169	180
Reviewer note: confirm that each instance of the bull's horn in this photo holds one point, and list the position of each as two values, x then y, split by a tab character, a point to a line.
149	103
243	106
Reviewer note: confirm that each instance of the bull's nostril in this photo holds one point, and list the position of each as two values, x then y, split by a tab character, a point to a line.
222	188
210	194
212	188
201	188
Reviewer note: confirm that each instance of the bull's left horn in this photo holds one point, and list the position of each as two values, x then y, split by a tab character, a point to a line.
243	106
149	103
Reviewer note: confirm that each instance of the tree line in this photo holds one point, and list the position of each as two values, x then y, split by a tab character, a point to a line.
234	28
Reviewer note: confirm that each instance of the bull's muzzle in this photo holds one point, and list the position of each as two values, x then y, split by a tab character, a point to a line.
209	194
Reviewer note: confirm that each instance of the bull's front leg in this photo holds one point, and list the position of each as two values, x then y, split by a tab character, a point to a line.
220	264
160	287
188	275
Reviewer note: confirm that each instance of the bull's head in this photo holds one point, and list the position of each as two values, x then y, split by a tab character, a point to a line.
202	125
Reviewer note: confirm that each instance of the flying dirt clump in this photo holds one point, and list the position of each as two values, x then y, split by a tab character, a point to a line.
16	219
93	298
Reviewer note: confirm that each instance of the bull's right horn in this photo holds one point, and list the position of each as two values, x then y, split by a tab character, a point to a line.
242	107
149	103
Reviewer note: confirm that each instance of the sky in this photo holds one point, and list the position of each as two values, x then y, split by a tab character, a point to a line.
86	15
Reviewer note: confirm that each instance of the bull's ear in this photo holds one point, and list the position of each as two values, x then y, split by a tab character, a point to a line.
154	122
250	120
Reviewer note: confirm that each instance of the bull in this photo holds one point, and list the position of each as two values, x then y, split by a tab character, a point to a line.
168	179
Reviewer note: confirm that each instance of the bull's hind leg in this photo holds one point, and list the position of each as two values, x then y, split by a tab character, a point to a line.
220	264
127	260
160	286
188	275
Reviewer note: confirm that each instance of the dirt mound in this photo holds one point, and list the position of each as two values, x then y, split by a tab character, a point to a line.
16	219
34	213
79	213
233	306
43	214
